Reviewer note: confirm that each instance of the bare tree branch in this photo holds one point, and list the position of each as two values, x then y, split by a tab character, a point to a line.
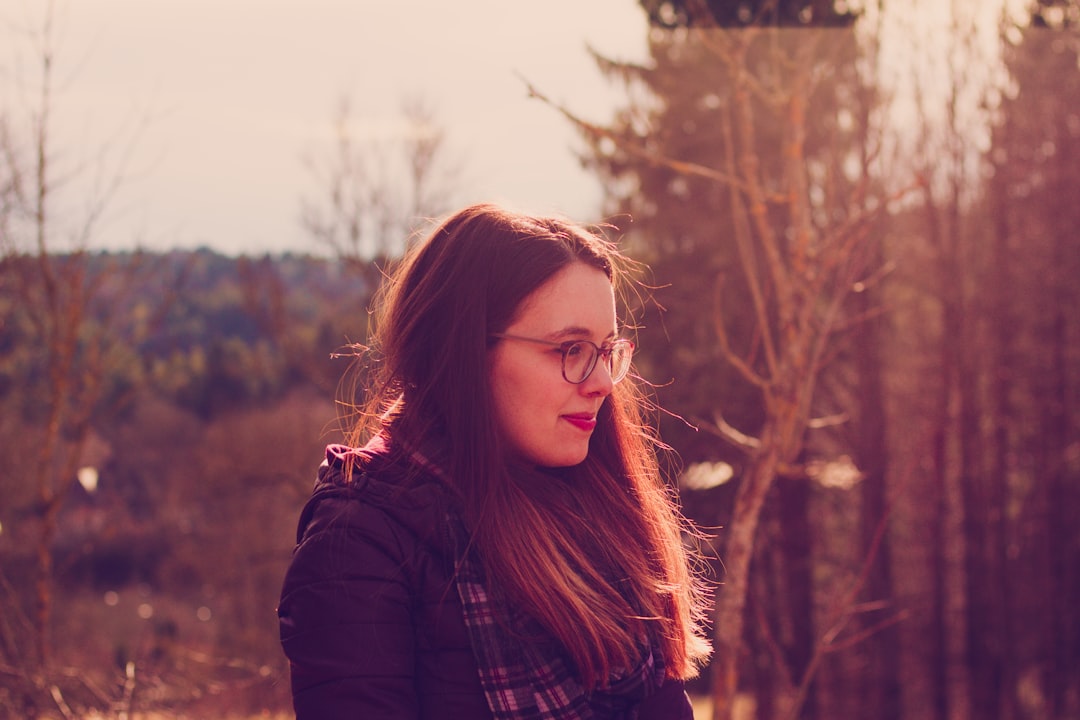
372	194
726	432
635	149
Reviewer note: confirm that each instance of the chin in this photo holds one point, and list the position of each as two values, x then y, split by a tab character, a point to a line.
555	455
567	460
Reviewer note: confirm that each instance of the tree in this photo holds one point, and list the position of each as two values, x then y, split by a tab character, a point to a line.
789	225
64	316
746	13
1031	373
372	195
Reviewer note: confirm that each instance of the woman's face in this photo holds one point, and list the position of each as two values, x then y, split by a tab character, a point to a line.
547	420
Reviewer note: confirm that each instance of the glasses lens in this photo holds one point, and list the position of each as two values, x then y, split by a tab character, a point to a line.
622	351
578	361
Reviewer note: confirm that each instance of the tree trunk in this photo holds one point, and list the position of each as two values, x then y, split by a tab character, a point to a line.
881	689
731	601
1002	371
1060	528
795	600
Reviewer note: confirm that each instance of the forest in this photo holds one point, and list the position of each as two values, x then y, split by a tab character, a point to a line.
858	329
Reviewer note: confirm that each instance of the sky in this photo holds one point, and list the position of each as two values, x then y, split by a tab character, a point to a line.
207	108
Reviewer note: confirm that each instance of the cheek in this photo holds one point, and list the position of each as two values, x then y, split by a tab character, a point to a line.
526	408
519	400
509	388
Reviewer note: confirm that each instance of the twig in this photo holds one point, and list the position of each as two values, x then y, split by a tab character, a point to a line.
720	428
58	698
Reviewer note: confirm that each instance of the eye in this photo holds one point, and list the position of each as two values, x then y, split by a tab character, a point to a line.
573	349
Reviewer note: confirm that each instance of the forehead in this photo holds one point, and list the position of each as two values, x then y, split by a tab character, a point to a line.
579	299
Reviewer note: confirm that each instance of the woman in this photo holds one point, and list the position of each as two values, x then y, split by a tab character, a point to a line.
495	541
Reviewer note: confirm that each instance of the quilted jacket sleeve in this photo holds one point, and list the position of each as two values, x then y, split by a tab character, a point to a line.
345	615
670	702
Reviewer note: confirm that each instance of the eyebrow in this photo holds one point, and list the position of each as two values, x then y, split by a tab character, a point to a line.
578	332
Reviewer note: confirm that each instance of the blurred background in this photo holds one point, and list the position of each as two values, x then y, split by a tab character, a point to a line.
859	229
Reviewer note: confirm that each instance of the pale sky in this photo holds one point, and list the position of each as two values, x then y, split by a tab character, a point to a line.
227	96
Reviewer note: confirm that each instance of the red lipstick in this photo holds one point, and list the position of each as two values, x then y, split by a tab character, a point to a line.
582	422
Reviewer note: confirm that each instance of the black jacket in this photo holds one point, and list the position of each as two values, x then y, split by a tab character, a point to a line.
369	615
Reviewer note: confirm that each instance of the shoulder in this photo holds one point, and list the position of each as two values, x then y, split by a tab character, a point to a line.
372	495
378	533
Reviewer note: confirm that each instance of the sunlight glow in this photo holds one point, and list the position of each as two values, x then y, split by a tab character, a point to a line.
88	478
705	475
840	473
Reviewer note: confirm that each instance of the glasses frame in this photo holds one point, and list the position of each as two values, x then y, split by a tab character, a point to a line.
602	351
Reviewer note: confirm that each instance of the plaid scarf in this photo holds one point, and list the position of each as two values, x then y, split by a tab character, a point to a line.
524	671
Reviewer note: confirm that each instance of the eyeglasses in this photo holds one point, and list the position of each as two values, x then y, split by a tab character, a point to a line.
579	356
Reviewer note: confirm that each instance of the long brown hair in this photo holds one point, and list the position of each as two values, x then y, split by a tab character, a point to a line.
598	559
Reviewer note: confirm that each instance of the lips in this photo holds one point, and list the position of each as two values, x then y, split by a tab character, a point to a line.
582	422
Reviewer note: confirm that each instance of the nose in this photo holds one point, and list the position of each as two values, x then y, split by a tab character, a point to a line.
598	384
